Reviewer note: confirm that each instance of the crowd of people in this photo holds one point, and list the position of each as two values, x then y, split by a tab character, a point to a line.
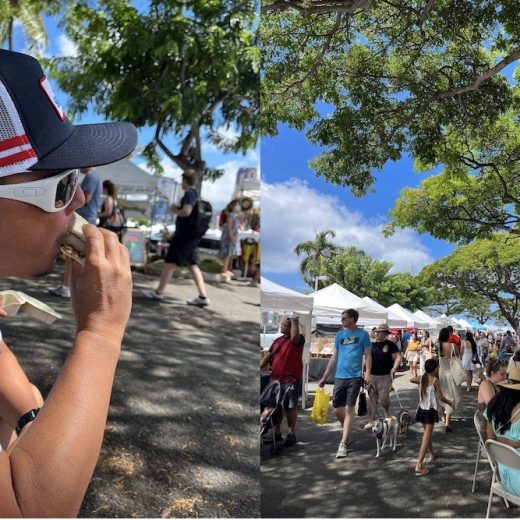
439	367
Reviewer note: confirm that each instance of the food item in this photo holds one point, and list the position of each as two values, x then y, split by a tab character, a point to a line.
74	245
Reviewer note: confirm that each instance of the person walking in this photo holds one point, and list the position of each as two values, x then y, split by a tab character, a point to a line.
412	353
229	241
110	215
183	246
91	187
426	351
469	353
447	382
351	344
429	391
385	362
46	470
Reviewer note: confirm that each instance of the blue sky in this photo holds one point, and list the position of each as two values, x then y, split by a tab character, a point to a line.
296	204
218	193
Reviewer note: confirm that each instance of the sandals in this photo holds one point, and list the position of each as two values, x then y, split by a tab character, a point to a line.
421	472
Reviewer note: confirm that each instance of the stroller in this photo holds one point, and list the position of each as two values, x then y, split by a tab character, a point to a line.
271	410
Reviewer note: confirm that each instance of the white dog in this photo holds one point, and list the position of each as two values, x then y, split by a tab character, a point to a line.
385	430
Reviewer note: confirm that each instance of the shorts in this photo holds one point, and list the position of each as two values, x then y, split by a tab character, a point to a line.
346	391
182	251
413	356
290	401
380	388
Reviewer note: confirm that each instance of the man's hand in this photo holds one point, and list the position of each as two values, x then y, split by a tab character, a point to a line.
321	384
3	313
102	290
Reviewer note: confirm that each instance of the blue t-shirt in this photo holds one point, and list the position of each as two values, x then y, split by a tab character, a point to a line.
91	184
350	346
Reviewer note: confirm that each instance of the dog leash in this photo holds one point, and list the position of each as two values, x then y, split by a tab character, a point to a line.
397	394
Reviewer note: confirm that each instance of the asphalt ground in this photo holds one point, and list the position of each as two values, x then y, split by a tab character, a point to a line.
181	438
307	481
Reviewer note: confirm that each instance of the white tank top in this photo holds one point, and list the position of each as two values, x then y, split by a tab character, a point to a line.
429	400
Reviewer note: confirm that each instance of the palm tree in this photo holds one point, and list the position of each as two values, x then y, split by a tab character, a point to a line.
29	14
318	253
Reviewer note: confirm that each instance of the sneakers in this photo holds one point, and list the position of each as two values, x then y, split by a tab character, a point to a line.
342	451
290	440
62	291
153	295
200	302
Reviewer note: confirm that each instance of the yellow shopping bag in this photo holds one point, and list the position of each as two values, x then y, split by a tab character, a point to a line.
320	407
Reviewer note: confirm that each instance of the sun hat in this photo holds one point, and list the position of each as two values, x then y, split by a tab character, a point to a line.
382	327
513	379
35	133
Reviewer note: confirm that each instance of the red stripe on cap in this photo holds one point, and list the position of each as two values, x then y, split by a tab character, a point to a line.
19	140
17	157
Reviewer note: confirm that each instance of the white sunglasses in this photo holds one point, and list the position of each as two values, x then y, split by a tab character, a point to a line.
51	194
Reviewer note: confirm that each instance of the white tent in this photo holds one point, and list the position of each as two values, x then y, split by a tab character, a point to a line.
465	324
274	297
331	301
394	320
405	314
433	324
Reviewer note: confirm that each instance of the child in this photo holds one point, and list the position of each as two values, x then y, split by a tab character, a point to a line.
429	391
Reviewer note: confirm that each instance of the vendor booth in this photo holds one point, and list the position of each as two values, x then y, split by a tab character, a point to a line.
394	320
434	325
412	320
274	297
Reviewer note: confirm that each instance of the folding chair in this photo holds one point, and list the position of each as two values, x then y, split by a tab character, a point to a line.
500	453
480	421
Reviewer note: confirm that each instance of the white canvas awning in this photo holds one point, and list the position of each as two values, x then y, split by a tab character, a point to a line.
411	319
394	320
331	301
433	323
274	297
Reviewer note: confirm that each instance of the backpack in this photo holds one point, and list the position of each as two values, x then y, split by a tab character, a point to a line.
200	218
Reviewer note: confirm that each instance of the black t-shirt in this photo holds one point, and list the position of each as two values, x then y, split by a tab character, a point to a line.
182	224
382	361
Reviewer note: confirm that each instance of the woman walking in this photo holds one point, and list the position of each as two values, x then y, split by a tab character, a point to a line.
426	351
412	354
449	387
469	353
229	242
429	391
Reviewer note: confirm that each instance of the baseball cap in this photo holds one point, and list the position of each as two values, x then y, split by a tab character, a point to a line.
35	133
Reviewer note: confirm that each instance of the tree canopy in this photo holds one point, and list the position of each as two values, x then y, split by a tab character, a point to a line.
368	81
487	269
353	269
186	69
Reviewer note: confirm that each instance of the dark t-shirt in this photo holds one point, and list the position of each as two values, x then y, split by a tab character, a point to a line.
183	224
287	363
382	361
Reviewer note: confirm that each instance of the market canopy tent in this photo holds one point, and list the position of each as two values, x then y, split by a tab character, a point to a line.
433	324
394	320
405	314
330	302
274	297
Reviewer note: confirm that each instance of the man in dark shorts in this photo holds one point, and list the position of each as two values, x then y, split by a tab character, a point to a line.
286	355
350	346
385	362
183	247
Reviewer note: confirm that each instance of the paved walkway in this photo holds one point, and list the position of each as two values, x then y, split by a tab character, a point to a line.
181	439
308	481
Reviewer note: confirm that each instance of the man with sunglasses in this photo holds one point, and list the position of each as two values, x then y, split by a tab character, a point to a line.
51	450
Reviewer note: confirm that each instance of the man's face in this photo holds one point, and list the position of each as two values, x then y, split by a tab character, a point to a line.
30	238
381	336
347	321
285	327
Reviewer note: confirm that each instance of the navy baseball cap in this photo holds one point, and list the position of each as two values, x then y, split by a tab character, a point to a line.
35	133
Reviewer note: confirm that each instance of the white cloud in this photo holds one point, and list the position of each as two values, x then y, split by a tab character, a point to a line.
66	47
292	212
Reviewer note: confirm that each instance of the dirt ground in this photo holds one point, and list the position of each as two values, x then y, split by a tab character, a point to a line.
181	438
